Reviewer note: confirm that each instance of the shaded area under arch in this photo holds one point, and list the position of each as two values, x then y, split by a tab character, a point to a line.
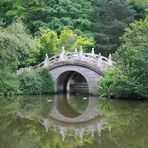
72	81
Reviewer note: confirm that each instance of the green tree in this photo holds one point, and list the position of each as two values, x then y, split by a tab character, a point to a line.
110	19
130	80
140	6
70	40
51	42
140	3
17	46
54	14
67	38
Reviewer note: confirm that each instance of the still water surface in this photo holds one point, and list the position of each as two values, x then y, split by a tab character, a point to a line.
72	121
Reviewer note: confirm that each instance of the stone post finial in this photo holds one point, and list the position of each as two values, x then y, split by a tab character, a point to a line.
62	54
46	62
110	62
46	56
63	49
81	49
92	51
81	55
99	59
76	50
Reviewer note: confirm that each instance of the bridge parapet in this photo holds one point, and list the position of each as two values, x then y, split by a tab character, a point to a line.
95	60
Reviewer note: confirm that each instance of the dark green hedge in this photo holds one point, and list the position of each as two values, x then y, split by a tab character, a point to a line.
117	85
37	82
28	83
9	83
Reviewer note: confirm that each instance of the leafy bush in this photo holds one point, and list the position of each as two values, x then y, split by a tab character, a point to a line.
104	86
117	85
123	87
9	83
36	82
130	80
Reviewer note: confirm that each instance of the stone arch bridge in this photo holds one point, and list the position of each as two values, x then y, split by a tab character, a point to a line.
66	66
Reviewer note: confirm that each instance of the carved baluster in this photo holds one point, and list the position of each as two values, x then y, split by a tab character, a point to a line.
99	60
62	54
76	51
75	54
46	62
92	51
109	60
81	56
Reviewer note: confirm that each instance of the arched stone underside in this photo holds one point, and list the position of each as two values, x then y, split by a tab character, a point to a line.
77	84
62	74
72	81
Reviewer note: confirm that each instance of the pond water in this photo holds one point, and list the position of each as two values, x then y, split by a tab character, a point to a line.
72	121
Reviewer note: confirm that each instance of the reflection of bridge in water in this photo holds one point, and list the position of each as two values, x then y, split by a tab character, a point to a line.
89	122
64	67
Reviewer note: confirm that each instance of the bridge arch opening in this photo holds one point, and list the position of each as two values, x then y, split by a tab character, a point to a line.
72	82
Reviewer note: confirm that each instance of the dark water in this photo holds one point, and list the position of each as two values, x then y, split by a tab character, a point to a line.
72	122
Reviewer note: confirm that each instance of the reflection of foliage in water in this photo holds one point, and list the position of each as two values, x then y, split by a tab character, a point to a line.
16	132
128	121
78	103
35	106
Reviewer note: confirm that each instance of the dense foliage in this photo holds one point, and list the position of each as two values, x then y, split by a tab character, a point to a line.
131	76
33	83
139	3
104	20
140	6
51	42
17	46
36	82
110	20
9	83
32	28
54	14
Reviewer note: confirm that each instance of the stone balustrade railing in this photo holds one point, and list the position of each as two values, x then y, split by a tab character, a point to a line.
92	59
